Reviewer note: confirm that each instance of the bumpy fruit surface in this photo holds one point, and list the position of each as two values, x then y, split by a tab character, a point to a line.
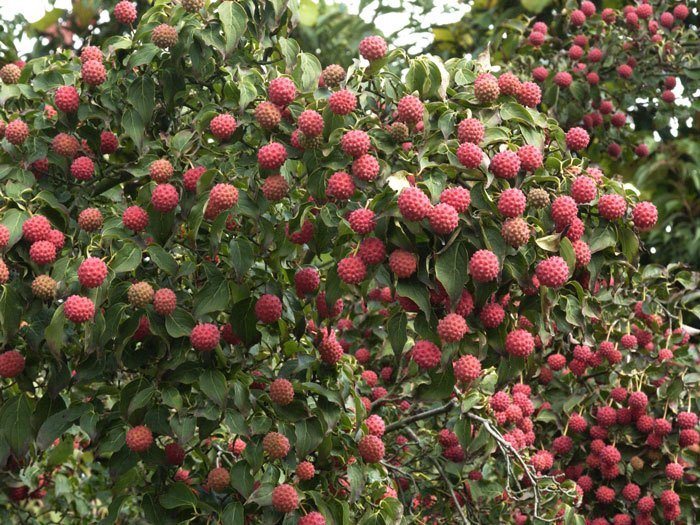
192	6
516	232
204	337
552	272
333	75
342	102
443	218
271	156
11	364
139	439
93	72
164	301
78	309
410	110
452	328
373	48
285	498
470	130
109	142
65	145
42	252
10	73
164	198
90	219
529	94
577	139
403	263
426	354
644	216
371	449
92	272
223	126
125	12
612	206
44	287
268	309
276	445
282	91
164	36
486	88
484	266
174	453
467	368
140	294
219	479
470	155
512	202
414	205
16	132
281	391
505	165
67	99
365	167
520	343
82	168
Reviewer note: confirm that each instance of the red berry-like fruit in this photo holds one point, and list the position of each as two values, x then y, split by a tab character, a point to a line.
65	145
305	471
223	126
644	216
268	309
410	110
16	132
312	518
508	84
139	439
373	48
67	99
443	219
42	252
164	301
92	272
355	143
205	337
281	391
362	221
276	445
520	343
135	219
452	328
342	102
268	115
552	272
512	202
93	72
530	157
426	354
577	139
91	53
470	155
484	266
505	165
82	168
403	263
164	36
306	281
36	228
272	156
285	498
109	142
371	449
486	88
275	188
164	198
467	368
492	315
470	130
11	364
125	12
174	454
529	94
78	309
282	91
372	250
563	210
457	197
612	206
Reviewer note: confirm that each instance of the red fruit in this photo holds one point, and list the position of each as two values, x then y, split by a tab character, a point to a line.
310	123
67	99
16	132
164	198
470	130
272	156
563	79
219	479
403	263
686	420
276	445
669	498
92	272
536	39
330	349
340	186
426	354
281	391
577	139
109	142
282	91
484	266
556	361
223	126
204	337
505	165
355	143
645	505
540	74
644	216
508	84
78	309
285	498
125	12
36	228
516	232
365	167
161	170
373	48
164	301
492	315
529	94
372	250
612	206
312	518
268	309
674	471
452	328
486	88
11	364
469	155
552	272
352	270
583	189
520	343
306	281
530	157
342	102
362	221
605	495
681	12
577	18
457	197
42	252
542	460
443	219
90	53
135	219
371	449
562	445
93	72
304	235
174	454
414	205
410	110
268	115
65	145
467	368
512	202
305	471
275	188
563	211
139	439
375	425
5	235
688	437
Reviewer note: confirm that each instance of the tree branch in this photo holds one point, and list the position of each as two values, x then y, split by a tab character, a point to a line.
421	415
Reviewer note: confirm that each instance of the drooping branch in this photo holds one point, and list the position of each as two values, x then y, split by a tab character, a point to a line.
421	415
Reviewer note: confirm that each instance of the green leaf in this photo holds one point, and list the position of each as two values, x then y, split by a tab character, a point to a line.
142	95
233	514
54	333
15	417
178	495
141	399
307	72
241	254
535	6
10	313
143	55
549	243
233	20
309	435
417	292
163	259
396	329
213	384
308	12
56	424
440	387
630	244
13	220
134	125
214	295
127	259
356	478
517	112
450	268
179	323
